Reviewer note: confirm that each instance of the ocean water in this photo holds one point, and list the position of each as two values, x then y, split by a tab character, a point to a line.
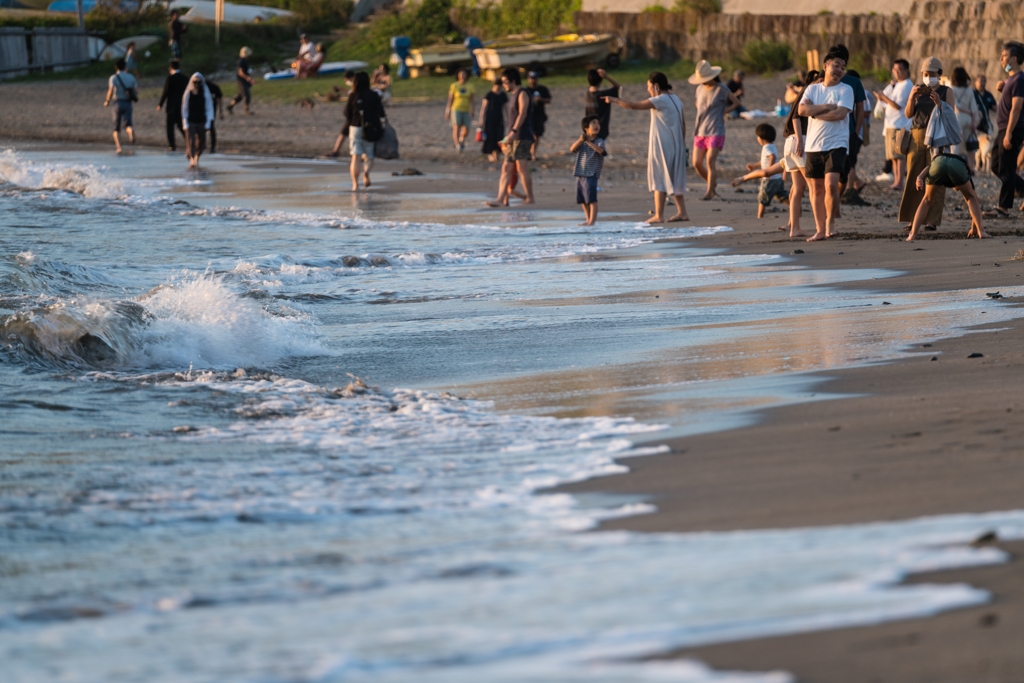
257	430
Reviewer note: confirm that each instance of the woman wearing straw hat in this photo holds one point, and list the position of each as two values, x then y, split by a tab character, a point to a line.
714	101
666	149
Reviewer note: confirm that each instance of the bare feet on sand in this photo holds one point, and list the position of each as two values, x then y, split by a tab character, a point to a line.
798	234
654	219
366	179
678	218
817	237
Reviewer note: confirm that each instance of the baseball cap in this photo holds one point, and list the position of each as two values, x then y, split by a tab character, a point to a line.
534	74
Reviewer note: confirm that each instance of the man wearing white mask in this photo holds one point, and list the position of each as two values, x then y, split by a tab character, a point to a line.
1007	142
922	101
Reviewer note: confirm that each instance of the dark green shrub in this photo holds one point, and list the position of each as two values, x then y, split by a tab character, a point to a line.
31	22
497	19
766	56
653	9
121	20
699	7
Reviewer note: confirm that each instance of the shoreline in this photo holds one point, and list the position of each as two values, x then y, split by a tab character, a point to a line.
733	485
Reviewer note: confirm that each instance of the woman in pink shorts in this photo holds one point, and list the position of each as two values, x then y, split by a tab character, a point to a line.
714	101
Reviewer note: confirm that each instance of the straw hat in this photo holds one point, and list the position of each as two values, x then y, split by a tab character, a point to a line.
931	64
245	52
704	72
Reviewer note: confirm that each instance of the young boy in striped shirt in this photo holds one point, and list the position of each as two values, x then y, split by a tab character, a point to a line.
590	156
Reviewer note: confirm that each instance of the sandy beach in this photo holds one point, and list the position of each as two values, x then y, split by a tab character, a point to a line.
935	432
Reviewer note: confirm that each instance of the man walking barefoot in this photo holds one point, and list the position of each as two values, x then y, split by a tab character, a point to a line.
121	89
541	98
174	90
827	105
459	109
519	138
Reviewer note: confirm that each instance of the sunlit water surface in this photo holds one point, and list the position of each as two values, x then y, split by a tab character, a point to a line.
257	430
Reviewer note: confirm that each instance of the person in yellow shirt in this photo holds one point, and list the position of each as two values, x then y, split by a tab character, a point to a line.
459	109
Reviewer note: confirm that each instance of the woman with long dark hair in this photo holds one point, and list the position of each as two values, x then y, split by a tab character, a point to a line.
492	119
363	103
666	148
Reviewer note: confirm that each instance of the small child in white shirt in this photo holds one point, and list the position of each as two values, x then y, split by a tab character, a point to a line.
772	184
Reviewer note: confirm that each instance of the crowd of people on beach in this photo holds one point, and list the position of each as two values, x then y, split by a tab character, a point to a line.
937	133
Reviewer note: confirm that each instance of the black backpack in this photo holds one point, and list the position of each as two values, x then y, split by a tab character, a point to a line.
373	116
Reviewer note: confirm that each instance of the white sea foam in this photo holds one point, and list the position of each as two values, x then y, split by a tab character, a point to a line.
195	321
87	181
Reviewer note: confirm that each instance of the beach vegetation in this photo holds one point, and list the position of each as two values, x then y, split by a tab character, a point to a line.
654	9
491	19
425	23
32	21
766	57
699	7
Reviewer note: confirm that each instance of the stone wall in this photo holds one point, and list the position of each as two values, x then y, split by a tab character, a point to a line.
958	33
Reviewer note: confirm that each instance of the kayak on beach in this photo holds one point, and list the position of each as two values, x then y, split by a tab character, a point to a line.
325	68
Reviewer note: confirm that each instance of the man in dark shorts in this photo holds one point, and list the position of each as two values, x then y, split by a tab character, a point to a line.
218	108
594	99
541	97
1007	143
519	139
243	76
174	90
857	116
175	29
947	170
827	105
120	89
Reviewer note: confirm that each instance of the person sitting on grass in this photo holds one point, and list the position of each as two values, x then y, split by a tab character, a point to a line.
947	170
771	185
590	154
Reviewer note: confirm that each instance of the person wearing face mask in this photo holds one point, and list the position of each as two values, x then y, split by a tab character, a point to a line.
1007	142
923	99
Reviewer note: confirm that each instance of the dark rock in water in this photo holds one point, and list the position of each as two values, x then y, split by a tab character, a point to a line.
886	303
94	350
994	295
935	357
987	538
797	251
976	355
408	171
926	346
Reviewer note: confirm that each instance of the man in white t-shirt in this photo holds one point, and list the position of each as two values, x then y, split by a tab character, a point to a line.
826	104
895	97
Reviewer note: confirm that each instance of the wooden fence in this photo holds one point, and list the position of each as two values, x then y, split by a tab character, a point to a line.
41	49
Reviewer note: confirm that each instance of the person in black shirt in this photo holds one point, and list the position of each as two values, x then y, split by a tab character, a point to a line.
492	120
363	102
176	30
541	97
174	89
245	81
218	107
594	101
735	86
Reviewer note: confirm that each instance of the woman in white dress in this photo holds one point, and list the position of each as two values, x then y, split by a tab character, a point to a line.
666	151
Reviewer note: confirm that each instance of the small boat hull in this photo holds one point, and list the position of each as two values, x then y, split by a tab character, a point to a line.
583	49
326	69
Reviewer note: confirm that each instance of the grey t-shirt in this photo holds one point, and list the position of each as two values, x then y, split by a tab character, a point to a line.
711	104
121	82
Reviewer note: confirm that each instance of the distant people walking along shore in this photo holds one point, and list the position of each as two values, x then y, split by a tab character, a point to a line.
122	91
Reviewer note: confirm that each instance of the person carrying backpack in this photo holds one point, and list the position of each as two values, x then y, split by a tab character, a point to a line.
122	89
364	126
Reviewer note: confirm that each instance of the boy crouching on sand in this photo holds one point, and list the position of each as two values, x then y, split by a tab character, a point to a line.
590	156
772	184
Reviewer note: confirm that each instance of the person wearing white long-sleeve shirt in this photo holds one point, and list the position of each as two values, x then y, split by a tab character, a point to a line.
197	116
